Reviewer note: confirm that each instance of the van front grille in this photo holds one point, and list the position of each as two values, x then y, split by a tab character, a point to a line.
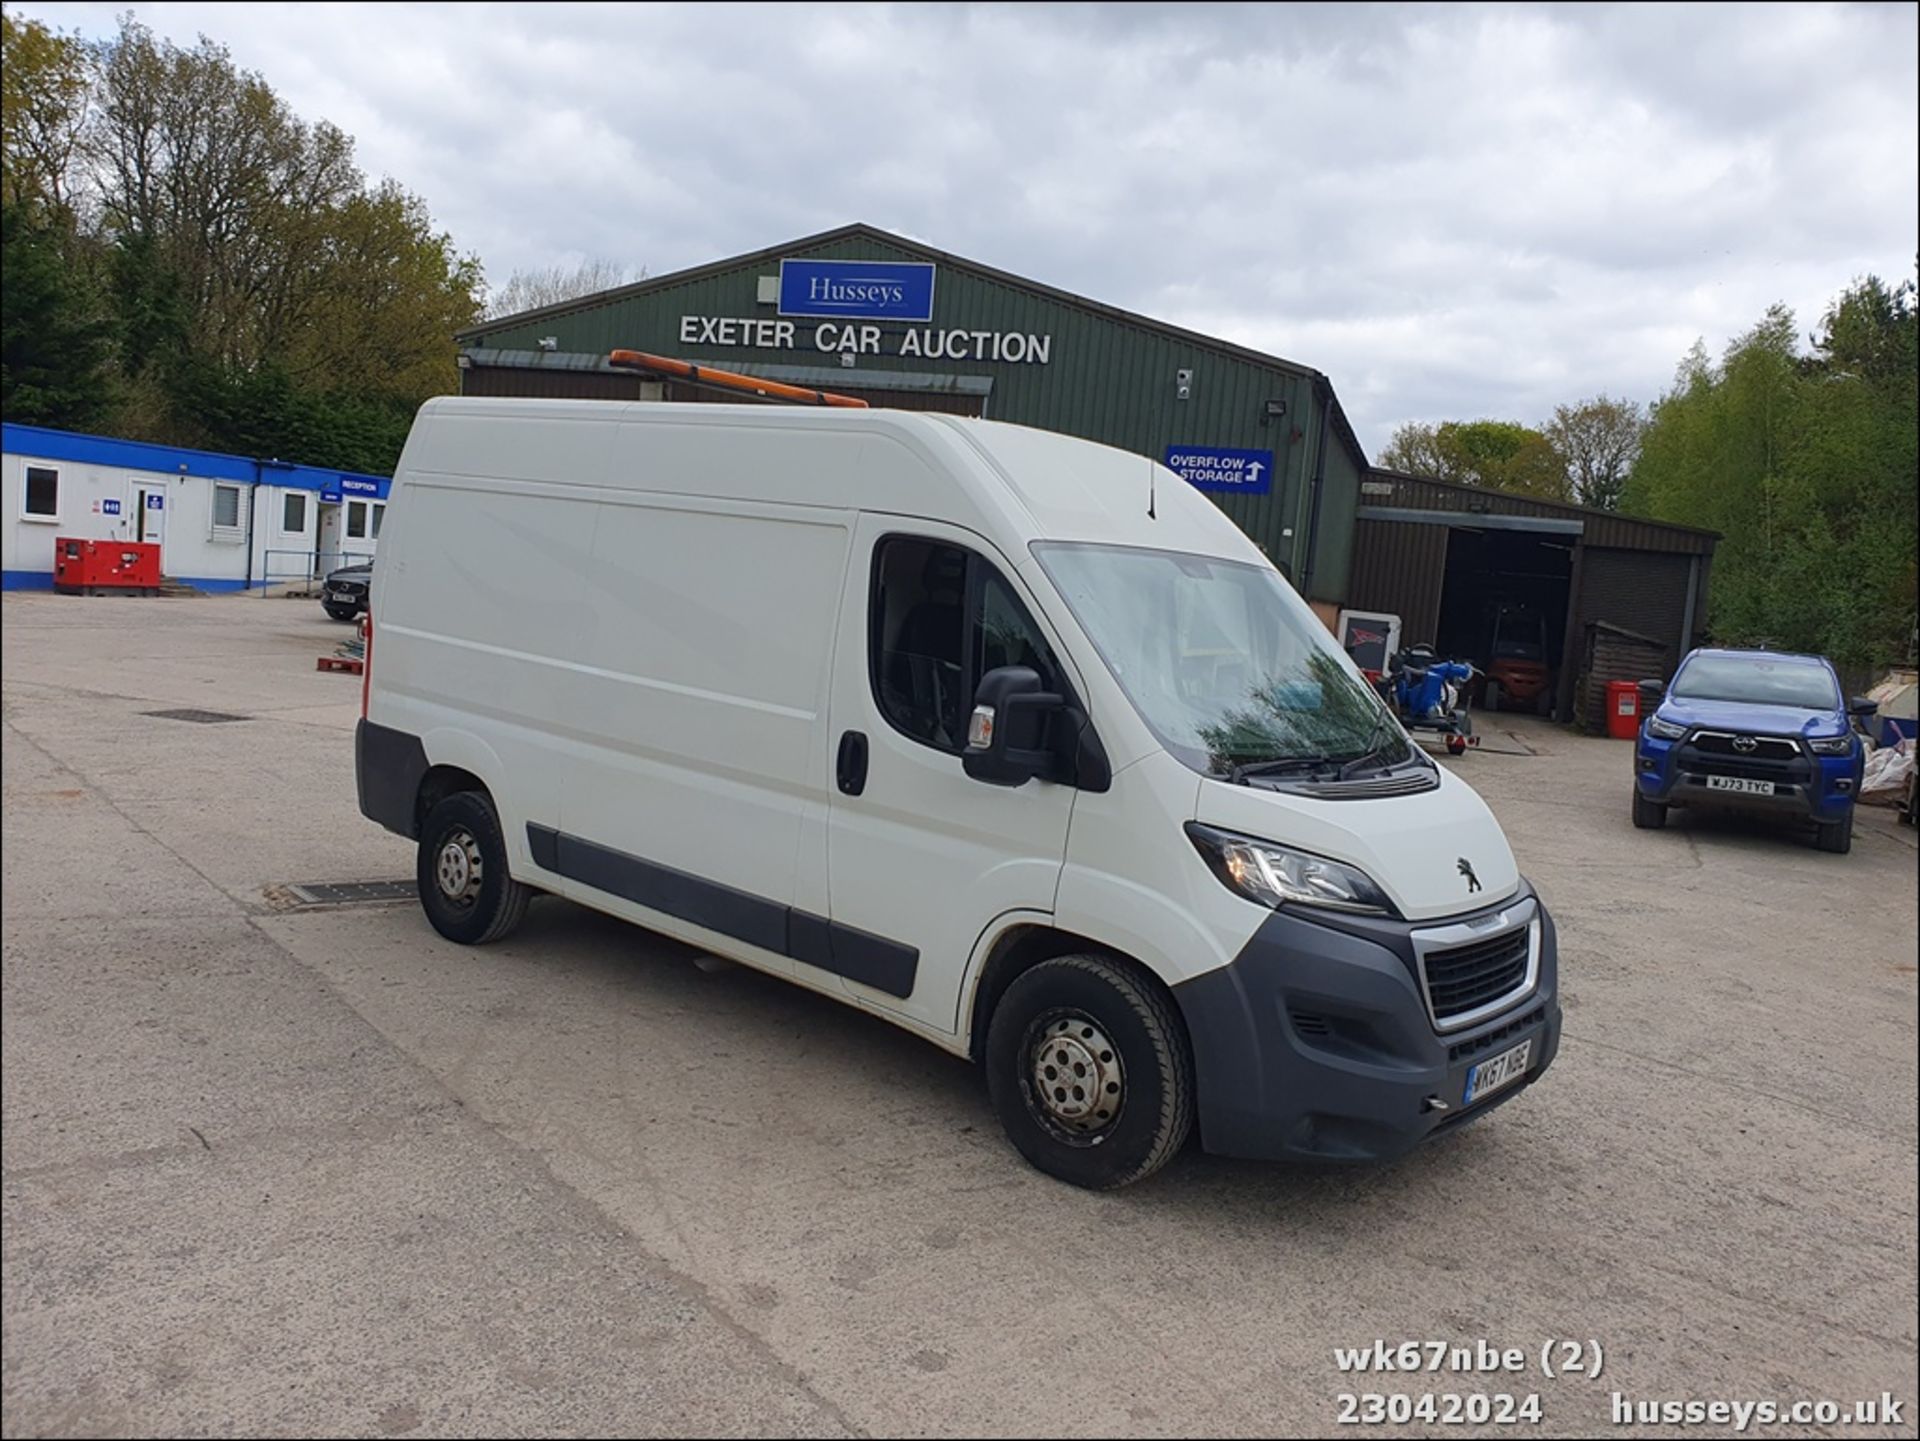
1464	978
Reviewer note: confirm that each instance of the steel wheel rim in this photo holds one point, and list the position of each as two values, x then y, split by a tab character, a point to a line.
1075	1082
457	868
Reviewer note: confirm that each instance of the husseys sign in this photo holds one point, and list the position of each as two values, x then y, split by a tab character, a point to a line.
867	289
856	295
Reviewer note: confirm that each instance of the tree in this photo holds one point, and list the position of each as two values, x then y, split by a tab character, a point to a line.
536	289
53	348
44	77
245	285
1504	455
1808	465
1497	454
202	161
1415	450
1598	440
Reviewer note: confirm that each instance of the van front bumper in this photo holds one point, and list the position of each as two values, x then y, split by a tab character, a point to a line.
1316	1042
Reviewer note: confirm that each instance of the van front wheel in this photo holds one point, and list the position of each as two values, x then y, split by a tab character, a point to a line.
1090	1071
462	872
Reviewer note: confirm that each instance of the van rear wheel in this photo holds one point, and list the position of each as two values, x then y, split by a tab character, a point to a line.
1090	1072
462	872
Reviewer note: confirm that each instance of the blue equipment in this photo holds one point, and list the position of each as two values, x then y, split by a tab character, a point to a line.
1425	694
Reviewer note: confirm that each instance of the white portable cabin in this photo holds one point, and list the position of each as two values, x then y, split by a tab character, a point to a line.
222	522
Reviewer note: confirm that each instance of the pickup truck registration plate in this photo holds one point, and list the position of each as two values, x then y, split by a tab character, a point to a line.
1741	784
1503	1070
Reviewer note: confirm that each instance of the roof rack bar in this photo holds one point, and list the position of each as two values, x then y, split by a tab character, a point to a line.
729	380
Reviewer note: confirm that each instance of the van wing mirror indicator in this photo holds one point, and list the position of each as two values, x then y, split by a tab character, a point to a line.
1007	736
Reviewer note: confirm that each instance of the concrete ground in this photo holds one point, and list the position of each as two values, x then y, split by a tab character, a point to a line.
274	1169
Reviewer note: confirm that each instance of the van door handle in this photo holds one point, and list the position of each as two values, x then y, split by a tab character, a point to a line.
851	768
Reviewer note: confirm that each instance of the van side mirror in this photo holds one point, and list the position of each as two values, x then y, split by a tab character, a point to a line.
1007	736
1863	709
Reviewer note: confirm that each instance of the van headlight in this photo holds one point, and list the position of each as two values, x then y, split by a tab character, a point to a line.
1832	746
1665	730
1274	875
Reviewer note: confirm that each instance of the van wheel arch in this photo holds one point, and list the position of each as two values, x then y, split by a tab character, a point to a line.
1022	948
437	784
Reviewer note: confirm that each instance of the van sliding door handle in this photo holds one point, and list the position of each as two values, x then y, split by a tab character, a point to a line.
851	767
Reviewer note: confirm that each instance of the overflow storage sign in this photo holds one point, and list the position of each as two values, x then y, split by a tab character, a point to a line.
1212	467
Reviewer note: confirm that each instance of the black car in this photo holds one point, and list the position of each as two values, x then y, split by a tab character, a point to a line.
344	593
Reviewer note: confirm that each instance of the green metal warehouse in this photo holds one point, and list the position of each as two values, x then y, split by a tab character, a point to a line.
863	312
1002	347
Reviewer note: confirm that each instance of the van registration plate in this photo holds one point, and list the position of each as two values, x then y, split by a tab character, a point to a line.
1741	784
1503	1070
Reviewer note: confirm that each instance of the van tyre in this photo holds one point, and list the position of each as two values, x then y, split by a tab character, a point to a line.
1647	815
1835	836
462	872
1090	1072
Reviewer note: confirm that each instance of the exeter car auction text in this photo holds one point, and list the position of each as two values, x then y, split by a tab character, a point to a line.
925	341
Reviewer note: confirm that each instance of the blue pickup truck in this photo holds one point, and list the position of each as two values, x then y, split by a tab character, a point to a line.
1752	730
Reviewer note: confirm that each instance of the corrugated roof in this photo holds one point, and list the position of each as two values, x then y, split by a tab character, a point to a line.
862	231
1601	527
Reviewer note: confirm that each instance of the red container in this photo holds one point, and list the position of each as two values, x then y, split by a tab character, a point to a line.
85	566
1623	709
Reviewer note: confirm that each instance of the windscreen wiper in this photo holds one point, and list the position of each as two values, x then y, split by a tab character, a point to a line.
1377	744
1240	773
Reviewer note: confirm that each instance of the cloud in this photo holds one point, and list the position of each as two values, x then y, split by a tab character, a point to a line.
1453	211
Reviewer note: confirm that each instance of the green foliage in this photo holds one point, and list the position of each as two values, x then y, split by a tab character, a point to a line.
1498	454
1598	439
1809	466
52	348
1414	450
43	101
253	292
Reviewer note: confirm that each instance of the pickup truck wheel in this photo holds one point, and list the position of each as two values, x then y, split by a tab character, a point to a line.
1647	815
462	872
1090	1072
1835	836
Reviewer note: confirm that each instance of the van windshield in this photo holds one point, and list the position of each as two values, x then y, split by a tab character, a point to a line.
1229	668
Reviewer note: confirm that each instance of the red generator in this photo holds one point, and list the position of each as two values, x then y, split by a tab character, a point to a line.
105	567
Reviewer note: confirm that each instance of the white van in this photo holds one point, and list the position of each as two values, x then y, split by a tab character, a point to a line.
1009	738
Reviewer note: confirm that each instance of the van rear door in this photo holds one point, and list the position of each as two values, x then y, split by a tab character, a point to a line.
921	859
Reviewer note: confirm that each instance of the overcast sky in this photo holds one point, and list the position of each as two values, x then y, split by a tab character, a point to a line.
1453	211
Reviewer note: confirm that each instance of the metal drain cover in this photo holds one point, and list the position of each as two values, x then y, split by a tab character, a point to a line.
346	893
200	717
